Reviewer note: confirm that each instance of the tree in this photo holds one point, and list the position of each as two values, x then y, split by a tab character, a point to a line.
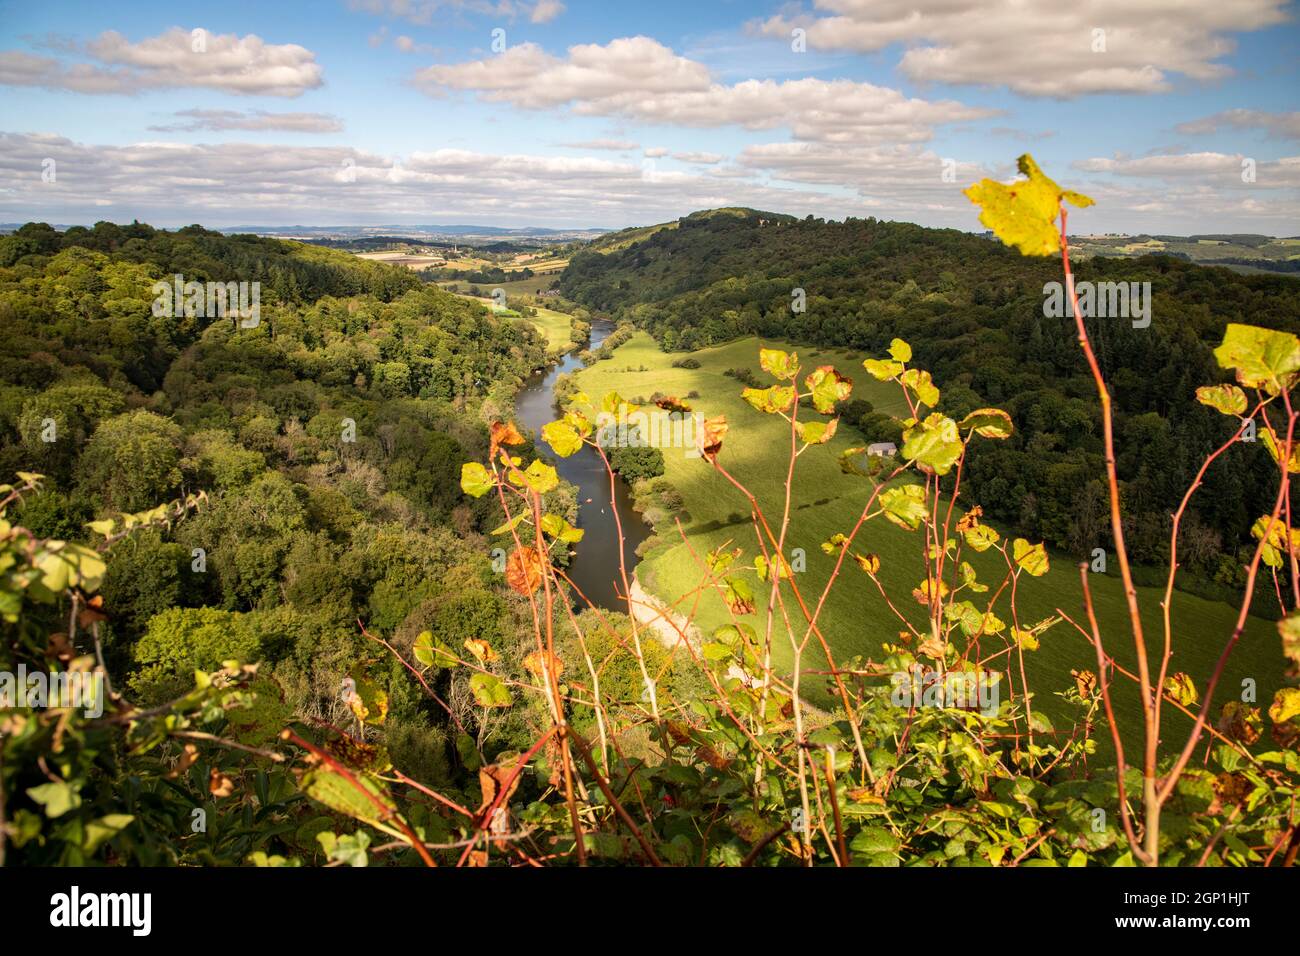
132	461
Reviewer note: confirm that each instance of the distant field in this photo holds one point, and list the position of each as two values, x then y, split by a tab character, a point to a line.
407	260
827	501
538	283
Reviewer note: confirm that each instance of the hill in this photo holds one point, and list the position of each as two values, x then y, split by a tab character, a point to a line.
975	314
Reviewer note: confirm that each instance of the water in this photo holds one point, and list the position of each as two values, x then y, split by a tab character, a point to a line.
594	568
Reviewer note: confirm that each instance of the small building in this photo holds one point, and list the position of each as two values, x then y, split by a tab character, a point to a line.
882	448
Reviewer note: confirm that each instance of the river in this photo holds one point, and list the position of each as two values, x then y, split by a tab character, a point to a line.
594	569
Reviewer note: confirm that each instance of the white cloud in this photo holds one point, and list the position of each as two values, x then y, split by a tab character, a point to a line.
702	159
544	11
1283	125
243	183
1219	170
259	120
641	79
175	59
616	145
1040	47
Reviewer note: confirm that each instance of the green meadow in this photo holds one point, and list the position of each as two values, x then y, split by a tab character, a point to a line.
856	619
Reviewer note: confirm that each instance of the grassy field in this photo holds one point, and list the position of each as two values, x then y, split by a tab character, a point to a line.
555	326
856	619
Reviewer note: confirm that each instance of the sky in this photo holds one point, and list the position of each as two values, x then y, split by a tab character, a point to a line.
1177	116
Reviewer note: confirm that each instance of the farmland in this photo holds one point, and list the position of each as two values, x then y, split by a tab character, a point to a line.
825	501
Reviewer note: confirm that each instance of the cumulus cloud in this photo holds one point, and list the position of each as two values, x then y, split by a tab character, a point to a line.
241	183
640	79
1039	47
191	121
178	58
1281	125
1220	170
248	182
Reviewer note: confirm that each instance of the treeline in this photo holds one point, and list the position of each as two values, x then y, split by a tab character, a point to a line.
974	312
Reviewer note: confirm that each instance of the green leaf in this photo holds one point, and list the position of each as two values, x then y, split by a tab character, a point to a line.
778	364
981	537
57	797
433	653
1228	399
1023	214
1181	688
904	506
509	525
540	477
489	691
816	433
560	529
1285	706
771	400
326	786
988	423
883	369
99	832
1262	358
1031	558
1293	462
828	387
900	351
934	443
919	381
562	437
475	480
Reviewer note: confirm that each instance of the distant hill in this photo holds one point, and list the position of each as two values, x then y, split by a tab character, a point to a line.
1242	252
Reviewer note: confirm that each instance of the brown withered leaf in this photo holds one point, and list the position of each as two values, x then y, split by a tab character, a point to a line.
187	759
535	661
504	433
1085	681
708	755
482	649
1240	722
970	519
524	570
92	611
714	430
670	403
219	785
60	648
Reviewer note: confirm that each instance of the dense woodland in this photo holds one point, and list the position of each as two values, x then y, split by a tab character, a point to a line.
305	534
973	311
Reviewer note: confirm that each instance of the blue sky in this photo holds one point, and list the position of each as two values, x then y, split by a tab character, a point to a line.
1180	117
